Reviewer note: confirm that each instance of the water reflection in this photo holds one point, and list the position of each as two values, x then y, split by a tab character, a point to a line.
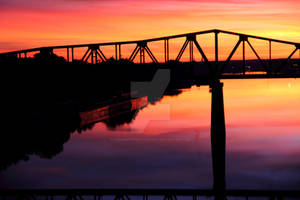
114	114
165	145
48	124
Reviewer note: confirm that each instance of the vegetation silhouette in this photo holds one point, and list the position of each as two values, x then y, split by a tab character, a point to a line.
46	96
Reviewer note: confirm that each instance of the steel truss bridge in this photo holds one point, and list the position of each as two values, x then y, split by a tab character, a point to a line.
94	54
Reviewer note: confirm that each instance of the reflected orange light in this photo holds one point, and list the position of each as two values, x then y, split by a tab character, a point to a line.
253	108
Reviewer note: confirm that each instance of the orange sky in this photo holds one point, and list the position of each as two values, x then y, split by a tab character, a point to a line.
32	23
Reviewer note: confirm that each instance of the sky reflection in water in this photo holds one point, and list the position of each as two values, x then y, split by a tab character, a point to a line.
168	144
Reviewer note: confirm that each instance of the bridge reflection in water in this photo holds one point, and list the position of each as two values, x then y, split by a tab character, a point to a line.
111	111
126	104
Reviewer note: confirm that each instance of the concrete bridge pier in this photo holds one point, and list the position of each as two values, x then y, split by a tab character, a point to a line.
218	139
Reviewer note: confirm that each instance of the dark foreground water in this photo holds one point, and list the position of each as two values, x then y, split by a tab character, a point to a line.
167	145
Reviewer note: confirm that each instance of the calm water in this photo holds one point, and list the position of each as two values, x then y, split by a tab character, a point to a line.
168	144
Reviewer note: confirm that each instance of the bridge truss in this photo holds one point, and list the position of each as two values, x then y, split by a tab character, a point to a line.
95	54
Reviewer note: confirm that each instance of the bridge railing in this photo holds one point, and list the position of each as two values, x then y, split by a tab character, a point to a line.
144	194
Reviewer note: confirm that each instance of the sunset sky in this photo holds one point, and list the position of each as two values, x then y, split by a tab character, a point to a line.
33	23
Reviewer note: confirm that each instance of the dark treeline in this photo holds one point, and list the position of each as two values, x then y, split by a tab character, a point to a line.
42	99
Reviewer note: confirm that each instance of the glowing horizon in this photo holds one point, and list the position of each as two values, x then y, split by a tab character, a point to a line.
34	23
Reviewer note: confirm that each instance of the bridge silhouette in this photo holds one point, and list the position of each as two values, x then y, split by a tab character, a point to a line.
94	54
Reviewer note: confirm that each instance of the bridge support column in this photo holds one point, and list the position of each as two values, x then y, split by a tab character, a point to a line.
270	56
94	53
191	51
243	38
166	50
218	139
72	54
191	39
117	52
142	54
142	47
68	54
244	58
216	51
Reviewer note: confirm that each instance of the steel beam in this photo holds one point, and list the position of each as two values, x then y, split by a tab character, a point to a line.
151	55
165	50
201	51
120	55
88	56
92	56
72	54
95	56
286	61
98	54
116	52
211	71
86	53
230	56
133	54
166	47
260	60
155	39
244	61
216	50
182	50
142	54
102	54
191	52
270	55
